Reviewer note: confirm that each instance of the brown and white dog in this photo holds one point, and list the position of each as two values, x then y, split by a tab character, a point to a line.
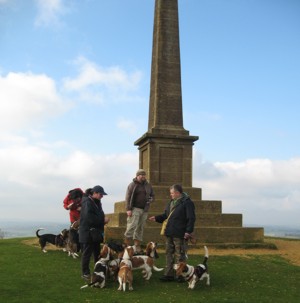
109	253
192	274
125	271
57	240
146	263
105	253
113	268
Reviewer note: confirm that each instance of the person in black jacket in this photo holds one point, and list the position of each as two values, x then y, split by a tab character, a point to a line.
180	216
91	228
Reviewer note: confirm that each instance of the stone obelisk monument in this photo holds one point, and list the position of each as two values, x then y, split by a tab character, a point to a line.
165	150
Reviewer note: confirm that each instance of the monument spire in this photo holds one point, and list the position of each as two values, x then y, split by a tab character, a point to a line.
165	108
166	148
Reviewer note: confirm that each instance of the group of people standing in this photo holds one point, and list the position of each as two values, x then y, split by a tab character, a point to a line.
178	221
88	208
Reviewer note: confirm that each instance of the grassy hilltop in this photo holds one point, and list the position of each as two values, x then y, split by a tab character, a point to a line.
28	275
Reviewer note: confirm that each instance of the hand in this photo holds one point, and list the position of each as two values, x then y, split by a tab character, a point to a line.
106	220
129	213
152	218
187	236
70	205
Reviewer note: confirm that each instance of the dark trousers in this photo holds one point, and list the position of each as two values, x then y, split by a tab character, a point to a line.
75	238
88	249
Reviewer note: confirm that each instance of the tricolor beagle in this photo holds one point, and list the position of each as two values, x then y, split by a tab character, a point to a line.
192	274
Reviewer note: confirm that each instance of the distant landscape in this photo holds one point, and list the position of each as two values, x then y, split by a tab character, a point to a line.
17	229
21	229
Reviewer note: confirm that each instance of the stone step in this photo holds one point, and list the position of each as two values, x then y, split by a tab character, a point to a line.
203	206
163	192
203	220
204	235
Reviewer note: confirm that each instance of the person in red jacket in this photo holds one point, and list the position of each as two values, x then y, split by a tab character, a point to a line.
72	202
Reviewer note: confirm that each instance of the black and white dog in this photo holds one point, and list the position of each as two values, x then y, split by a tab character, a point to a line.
57	240
192	274
98	277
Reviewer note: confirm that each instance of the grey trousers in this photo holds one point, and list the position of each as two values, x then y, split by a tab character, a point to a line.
135	224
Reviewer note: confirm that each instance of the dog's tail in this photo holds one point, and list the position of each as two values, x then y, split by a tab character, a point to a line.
37	232
88	285
157	269
84	286
123	279
205	255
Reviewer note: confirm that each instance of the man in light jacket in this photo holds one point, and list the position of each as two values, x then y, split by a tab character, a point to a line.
139	195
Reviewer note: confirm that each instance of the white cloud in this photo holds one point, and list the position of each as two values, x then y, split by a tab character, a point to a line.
27	98
261	189
49	12
97	84
34	180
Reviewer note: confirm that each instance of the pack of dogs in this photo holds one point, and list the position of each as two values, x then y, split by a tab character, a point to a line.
117	261
120	264
67	240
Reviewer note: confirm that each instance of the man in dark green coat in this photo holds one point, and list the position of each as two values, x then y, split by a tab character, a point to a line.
180	213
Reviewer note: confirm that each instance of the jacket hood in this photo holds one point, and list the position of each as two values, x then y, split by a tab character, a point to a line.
185	196
137	182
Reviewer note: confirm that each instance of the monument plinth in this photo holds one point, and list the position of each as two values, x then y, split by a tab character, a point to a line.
166	149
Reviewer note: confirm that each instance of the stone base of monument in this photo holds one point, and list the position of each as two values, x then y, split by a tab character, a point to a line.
211	227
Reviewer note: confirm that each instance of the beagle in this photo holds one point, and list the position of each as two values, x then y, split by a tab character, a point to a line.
125	271
146	263
192	274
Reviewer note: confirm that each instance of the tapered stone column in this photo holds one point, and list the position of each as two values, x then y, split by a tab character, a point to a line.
166	148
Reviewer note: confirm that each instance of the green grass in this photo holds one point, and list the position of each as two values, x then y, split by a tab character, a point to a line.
28	275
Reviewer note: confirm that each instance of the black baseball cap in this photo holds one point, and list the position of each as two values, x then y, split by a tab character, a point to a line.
99	189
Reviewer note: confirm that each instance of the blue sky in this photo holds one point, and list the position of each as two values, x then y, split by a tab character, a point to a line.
74	96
